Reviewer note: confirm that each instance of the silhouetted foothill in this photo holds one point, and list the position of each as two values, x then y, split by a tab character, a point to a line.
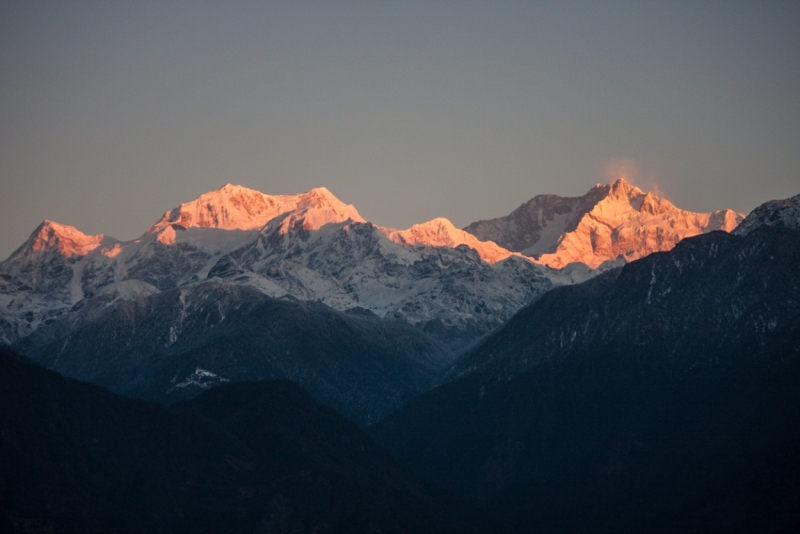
249	457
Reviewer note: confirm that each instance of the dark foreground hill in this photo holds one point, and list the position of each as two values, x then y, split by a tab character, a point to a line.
249	457
662	397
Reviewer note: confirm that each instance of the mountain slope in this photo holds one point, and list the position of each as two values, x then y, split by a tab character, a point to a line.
309	246
781	213
659	397
247	458
174	344
702	294
448	292
607	223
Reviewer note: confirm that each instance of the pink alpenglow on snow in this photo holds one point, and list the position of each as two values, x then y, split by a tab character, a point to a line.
611	223
68	240
631	224
233	207
314	210
440	232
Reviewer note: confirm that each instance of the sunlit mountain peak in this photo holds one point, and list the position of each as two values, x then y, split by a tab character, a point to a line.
440	232
615	222
233	207
67	240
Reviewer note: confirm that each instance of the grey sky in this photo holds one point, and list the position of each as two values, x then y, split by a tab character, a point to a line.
113	112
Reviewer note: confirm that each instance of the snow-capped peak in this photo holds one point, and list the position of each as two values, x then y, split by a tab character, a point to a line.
230	207
319	207
783	213
623	190
68	240
312	216
233	207
610	223
629	224
440	232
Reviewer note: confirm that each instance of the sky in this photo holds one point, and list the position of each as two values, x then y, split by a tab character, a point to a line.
112	113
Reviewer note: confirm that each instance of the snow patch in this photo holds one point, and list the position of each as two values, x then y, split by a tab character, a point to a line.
200	378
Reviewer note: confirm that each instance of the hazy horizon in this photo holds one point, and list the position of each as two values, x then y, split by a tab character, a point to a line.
111	115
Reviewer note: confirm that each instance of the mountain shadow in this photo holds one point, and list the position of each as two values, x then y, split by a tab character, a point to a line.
175	344
250	457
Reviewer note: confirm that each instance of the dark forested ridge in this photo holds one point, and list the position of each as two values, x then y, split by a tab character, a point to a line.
249	457
661	397
683	307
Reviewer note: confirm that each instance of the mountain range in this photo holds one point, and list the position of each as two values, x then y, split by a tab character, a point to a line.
214	280
651	386
309	246
314	247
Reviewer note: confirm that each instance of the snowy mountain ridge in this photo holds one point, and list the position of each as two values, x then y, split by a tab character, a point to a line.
782	213
610	223
440	232
233	207
67	240
312	246
309	246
